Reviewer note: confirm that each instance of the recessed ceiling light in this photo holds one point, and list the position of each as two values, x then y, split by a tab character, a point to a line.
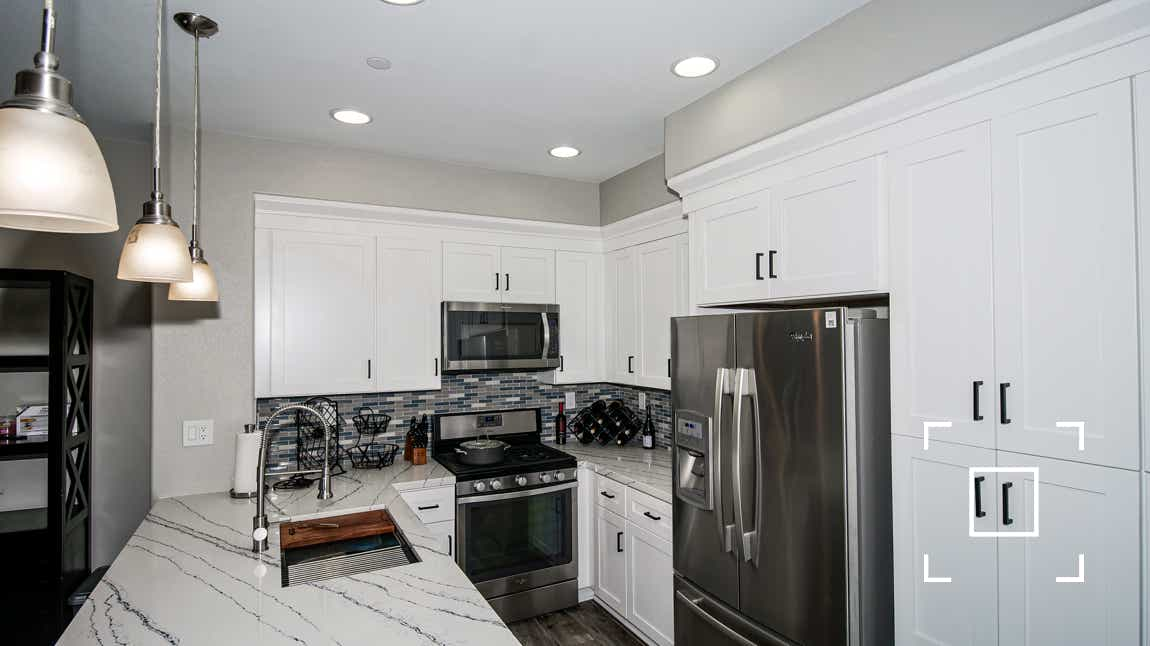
403	3
353	117
695	66
378	63
564	152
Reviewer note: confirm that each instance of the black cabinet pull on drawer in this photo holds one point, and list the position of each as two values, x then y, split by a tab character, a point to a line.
426	507
607	495
652	516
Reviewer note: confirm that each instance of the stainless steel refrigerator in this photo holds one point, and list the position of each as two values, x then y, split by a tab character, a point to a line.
782	510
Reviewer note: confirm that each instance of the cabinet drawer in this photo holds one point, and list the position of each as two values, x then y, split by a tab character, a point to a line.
432	505
650	513
611	495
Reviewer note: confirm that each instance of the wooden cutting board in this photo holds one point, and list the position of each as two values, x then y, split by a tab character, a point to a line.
335	528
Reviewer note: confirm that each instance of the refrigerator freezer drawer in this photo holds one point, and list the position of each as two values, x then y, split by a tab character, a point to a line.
700	619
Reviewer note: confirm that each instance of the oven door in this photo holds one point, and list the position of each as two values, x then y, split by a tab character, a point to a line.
515	541
497	336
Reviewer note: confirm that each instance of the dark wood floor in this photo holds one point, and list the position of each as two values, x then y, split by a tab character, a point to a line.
585	624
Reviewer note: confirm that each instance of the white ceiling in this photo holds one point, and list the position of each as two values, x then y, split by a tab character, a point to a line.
491	83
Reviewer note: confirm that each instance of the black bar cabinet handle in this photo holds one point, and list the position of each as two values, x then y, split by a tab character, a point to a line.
507	282
758	265
560	363
437	366
496	281
651	516
979	512
607	495
426	507
977	406
771	263
369	368
630	358
619	541
1002	403
668	366
1006	519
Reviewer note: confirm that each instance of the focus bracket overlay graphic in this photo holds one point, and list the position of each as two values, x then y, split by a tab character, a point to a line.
974	508
1081	578
1081	426
926	427
926	577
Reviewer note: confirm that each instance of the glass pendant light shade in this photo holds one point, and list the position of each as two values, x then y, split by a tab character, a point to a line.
155	253
202	287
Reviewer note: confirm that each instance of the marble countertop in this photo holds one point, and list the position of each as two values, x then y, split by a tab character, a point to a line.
647	470
188	576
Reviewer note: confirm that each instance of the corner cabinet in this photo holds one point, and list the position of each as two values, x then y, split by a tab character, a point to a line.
493	274
816	235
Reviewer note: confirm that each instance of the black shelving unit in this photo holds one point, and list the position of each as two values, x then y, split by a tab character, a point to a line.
47	552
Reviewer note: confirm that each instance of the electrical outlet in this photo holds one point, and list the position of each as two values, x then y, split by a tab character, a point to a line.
642	400
199	432
569	401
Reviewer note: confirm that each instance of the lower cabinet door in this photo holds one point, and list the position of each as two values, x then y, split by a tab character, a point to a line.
1073	579
611	561
446	530
945	580
651	601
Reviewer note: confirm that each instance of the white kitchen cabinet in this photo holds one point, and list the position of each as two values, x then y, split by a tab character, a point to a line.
828	233
322	332
621	294
942	287
933	510
587	530
1065	278
410	292
611	574
1142	165
1087	520
731	240
658	281
471	272
528	275
579	293
683	288
650	604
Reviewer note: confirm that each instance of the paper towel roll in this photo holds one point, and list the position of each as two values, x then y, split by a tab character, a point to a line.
247	456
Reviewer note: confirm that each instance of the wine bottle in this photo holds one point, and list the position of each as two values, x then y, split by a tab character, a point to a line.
649	430
561	426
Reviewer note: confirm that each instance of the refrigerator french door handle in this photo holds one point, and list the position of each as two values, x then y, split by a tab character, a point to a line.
722	388
737	455
747	387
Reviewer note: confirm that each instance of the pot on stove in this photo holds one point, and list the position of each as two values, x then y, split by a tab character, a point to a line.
481	452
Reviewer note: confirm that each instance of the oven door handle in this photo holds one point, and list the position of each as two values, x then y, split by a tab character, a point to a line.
470	500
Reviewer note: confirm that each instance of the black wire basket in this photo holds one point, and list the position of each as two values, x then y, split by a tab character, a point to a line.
368	452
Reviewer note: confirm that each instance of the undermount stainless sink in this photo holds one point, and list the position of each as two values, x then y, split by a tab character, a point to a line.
326	548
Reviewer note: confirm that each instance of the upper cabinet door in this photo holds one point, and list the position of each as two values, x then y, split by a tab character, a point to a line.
528	275
683	286
658	278
942	287
828	233
933	514
1142	147
622	316
323	324
410	291
471	273
731	241
1086	519
1065	282
579	292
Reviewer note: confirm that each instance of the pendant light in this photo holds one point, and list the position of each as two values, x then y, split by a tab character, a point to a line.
52	174
203	286
156	250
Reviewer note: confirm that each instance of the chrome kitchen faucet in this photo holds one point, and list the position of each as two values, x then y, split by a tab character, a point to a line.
260	520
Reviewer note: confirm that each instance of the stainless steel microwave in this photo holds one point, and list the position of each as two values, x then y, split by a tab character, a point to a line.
500	336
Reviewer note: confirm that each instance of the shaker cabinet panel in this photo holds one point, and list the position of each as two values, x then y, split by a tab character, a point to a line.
731	240
528	275
1065	278
622	316
828	233
410	282
611	560
471	272
942	287
322	313
934	509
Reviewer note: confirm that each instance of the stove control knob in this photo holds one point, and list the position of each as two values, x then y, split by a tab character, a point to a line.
521	481
545	478
559	476
496	485
480	486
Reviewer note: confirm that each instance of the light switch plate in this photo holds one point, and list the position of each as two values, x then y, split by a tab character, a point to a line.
642	400
569	401
198	432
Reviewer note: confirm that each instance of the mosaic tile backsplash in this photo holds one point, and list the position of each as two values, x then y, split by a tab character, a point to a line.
467	392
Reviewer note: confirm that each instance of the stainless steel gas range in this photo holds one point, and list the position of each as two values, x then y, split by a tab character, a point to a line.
515	520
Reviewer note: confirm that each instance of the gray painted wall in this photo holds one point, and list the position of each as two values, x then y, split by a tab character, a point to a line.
635	190
878	46
203	353
122	353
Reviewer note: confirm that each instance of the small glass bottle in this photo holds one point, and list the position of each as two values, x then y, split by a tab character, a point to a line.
561	426
649	430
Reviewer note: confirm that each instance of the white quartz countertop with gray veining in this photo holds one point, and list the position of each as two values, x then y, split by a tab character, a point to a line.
647	470
188	576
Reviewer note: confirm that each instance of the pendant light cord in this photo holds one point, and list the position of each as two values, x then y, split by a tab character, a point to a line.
158	92
195	242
